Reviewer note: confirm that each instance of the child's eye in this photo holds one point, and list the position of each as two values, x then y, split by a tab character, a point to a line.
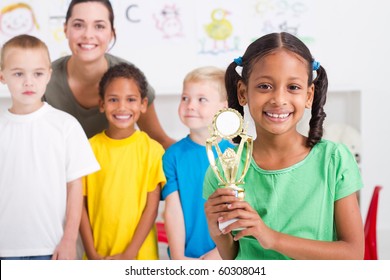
202	99
112	99
264	86
18	74
294	87
132	99
184	98
38	74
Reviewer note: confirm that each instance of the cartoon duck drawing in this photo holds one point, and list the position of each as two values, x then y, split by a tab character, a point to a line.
169	23
220	28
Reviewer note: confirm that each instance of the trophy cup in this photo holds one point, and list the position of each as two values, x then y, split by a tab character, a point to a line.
228	124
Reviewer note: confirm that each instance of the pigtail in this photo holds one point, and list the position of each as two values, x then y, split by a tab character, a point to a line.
317	111
231	80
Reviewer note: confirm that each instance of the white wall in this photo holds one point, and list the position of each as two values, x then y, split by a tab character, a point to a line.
353	46
352	43
355	51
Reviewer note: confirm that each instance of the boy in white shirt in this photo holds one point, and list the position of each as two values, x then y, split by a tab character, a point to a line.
44	153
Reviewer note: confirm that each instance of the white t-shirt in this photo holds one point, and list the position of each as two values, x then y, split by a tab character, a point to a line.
39	153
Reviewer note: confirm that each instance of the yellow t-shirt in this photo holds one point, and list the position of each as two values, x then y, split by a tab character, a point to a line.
117	193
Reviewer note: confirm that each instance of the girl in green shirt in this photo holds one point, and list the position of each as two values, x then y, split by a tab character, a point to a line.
300	192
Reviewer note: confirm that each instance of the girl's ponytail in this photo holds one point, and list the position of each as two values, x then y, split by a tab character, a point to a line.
317	111
231	81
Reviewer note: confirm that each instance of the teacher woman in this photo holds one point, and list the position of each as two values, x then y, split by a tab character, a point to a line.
73	88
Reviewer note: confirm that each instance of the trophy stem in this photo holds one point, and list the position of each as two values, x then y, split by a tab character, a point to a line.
228	124
240	192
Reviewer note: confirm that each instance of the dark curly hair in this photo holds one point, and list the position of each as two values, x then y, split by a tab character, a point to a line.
265	45
127	71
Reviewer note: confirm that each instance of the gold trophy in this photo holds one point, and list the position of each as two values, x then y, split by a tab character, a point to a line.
228	124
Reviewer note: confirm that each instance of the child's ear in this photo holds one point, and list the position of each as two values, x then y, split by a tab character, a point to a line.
242	93
2	80
101	105
310	96
144	105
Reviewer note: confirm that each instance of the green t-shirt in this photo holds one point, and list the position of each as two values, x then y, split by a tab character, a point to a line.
60	96
298	200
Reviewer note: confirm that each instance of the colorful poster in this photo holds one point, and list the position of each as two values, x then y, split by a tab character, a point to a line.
19	18
168	38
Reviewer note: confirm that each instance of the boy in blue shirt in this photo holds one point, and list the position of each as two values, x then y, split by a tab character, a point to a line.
185	164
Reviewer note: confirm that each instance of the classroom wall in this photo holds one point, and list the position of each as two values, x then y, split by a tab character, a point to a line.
355	52
348	38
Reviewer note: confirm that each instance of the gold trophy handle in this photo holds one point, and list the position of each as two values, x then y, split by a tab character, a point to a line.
228	124
210	155
249	150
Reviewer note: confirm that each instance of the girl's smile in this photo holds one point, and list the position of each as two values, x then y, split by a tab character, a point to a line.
278	92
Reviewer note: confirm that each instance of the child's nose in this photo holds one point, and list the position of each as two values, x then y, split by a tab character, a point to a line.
28	81
279	97
122	104
191	105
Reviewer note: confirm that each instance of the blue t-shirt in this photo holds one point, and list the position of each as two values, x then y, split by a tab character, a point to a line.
185	164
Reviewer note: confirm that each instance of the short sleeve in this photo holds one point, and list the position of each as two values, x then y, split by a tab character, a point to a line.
80	160
156	168
348	178
170	170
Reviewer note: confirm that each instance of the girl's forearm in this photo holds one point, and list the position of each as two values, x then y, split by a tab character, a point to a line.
227	247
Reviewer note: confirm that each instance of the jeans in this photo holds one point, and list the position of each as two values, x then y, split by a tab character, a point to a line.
46	257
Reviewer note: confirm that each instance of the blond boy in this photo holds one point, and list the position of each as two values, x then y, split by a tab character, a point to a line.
185	164
44	153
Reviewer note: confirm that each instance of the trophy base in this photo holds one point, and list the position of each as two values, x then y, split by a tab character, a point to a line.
226	223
